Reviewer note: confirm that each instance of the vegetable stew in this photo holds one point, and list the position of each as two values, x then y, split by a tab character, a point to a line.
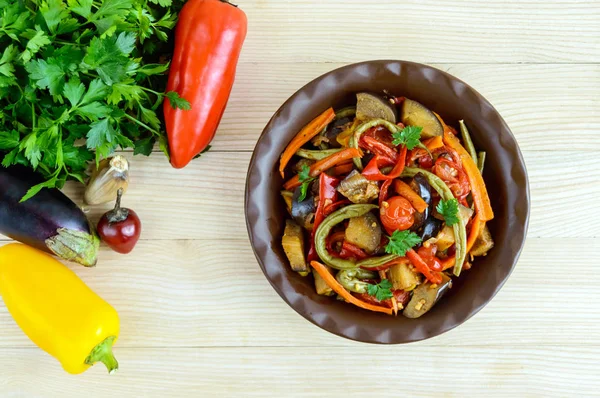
386	203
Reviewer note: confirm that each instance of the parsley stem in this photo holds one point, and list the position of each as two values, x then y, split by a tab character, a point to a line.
152	91
143	125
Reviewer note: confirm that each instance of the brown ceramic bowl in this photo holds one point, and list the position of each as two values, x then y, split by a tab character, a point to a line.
504	174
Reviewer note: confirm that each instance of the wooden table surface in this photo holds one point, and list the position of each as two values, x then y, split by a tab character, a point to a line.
199	318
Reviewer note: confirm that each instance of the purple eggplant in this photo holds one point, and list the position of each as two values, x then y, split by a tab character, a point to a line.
49	221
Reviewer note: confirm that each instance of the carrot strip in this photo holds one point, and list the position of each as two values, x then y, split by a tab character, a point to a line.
478	189
406	191
339	289
325	164
341	169
305	135
434	143
476	227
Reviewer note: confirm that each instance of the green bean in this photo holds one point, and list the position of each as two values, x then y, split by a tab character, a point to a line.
351	279
375	262
325	228
460	231
360	130
316	154
481	161
345	112
467	139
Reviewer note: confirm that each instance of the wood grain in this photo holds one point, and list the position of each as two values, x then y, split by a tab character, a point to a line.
212	293
547	107
414	370
424	31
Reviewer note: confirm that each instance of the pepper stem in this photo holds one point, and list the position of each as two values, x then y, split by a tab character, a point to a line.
119	213
103	353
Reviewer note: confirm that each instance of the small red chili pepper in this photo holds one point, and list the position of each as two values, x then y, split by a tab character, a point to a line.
120	228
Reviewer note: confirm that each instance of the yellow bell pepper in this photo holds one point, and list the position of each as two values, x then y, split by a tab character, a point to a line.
56	310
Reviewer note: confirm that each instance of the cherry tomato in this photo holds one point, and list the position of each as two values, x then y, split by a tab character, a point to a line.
120	228
454	176
428	255
397	214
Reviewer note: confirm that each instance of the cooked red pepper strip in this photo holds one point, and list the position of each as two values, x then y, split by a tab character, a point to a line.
377	147
373	173
327	195
422	267
384	191
352	251
325	164
341	169
330	208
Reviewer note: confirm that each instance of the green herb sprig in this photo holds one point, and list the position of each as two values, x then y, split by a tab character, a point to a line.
81	78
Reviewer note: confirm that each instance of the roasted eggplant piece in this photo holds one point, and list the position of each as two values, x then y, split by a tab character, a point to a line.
403	277
420	185
321	286
288	198
358	189
364	232
293	246
416	114
483	244
425	296
371	106
445	238
431	227
303	212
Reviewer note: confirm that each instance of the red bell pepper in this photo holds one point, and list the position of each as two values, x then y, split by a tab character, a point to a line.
208	42
384	191
372	171
327	196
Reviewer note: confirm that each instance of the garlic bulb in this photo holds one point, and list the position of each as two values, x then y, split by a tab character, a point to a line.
111	175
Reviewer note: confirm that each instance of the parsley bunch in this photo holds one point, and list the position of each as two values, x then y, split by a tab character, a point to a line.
79	78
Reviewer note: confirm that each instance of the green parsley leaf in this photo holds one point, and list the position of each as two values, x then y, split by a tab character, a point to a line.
401	242
449	210
177	102
305	178
47	74
73	91
37	40
153	69
81	7
34	190
149	117
94	111
8	56
32	150
382	291
409	136
9	139
54	11
144	146
101	133
97	90
113	8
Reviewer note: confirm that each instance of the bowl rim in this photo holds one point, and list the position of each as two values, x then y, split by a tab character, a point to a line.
488	297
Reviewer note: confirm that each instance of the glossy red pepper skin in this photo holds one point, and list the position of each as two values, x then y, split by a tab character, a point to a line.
327	196
208	40
120	228
372	170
